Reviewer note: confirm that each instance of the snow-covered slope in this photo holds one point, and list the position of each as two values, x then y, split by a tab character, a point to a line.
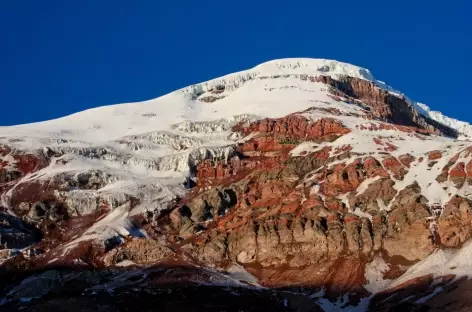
461	126
109	123
246	92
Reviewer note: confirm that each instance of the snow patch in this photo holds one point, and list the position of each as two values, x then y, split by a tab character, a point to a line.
441	262
374	272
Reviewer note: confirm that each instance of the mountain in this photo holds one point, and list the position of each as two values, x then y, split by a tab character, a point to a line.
300	184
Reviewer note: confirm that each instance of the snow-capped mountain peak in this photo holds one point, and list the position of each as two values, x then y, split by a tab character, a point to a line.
296	167
107	123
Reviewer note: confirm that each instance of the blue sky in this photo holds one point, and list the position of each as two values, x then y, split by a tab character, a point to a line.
60	57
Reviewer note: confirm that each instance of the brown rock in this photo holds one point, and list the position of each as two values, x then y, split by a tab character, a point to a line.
406	160
384	105
433	155
392	164
139	251
455	224
458	175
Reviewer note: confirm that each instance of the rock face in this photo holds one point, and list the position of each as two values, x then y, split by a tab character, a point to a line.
344	193
284	214
138	251
297	127
384	105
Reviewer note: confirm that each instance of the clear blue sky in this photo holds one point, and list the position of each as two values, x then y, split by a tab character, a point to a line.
60	57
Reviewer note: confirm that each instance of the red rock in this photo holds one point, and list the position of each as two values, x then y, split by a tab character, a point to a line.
458	170
377	141
458	175
392	164
351	218
296	127
324	153
374	168
343	179
434	155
